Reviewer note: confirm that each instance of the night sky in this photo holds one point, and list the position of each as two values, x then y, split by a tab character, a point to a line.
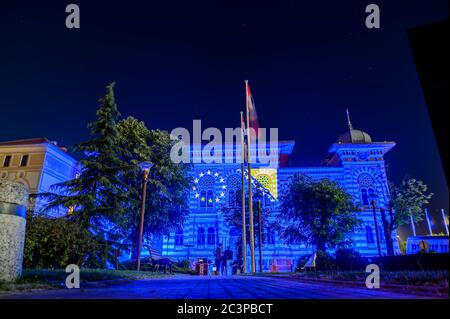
176	62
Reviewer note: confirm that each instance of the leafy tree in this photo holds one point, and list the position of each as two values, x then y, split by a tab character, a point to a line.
406	200
233	213
411	195
317	213
167	186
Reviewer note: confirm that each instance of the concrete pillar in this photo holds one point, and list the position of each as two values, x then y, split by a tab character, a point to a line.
13	203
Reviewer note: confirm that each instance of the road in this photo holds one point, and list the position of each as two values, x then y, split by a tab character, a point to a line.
196	287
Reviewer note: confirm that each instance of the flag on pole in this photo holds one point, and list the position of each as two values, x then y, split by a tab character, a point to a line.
244	227
252	115
249	100
244	153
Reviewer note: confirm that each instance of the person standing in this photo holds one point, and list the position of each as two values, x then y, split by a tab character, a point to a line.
218	257
226	259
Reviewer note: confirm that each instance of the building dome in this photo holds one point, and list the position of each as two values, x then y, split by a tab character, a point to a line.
354	137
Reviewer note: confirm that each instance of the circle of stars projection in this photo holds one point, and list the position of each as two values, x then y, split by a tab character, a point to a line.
209	179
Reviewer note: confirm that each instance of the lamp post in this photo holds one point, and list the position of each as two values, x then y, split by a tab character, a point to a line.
145	167
377	233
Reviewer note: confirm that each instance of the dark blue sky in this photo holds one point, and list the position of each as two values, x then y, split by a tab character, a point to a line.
306	62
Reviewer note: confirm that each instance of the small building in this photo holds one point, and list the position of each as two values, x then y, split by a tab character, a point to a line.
38	164
436	244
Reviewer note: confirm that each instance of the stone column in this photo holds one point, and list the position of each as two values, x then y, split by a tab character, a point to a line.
13	205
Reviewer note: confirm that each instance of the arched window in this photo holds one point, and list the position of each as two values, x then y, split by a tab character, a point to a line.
364	197
365	182
264	180
201	236
369	235
202	199
206	182
234	181
179	238
211	236
206	185
210	199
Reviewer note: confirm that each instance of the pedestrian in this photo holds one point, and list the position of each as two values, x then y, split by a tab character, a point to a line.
226	259
218	257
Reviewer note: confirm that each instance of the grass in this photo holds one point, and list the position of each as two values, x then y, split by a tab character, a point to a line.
32	279
414	278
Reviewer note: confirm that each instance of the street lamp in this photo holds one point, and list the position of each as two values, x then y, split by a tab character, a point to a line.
145	167
377	233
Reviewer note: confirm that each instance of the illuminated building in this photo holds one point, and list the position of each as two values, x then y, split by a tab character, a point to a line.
36	163
354	161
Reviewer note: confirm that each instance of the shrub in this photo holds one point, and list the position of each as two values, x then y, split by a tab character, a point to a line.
347	259
325	261
57	242
183	264
184	267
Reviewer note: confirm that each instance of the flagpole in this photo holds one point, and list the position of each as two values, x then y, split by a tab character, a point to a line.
250	195
244	227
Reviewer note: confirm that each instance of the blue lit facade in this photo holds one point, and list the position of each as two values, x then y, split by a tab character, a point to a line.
354	161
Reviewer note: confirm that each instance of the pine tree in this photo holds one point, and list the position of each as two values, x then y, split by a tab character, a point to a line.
95	196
